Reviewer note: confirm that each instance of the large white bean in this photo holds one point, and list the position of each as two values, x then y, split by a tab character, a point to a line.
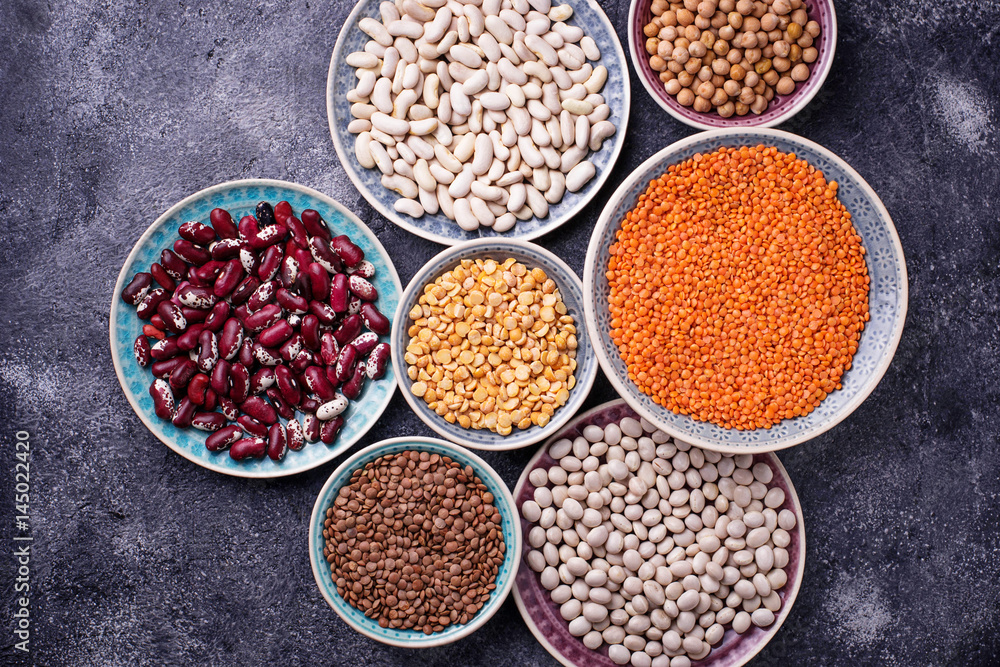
483	156
579	175
464	216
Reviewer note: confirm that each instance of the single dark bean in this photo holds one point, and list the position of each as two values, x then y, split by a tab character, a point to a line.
374	320
173	318
364	268
314	224
206	274
260	410
302	284
193	315
142	351
195	232
291	347
222	222
323	312
317	383
137	288
263	318
229	278
248	448
223	438
239	380
265	214
176	267
352	388
244	290
220	378
289	271
231	338
285	410
330	428
302	361
310	427
196	297
249	260
348	252
339	293
185	413
248	228
262	296
309	404
282	210
270	263
291	302
298	231
348	329
211	400
208	351
188	340
191	253
251	426
229	408
266	356
246	356
310	331
156	322
288	385
182	374
345	362
329	349
276	334
197	387
165	349
268	236
277	442
162	277
361	288
365	343
319	281
163	369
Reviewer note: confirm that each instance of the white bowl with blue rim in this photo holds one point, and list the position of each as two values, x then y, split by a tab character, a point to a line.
510	527
240	198
571	290
588	15
887	298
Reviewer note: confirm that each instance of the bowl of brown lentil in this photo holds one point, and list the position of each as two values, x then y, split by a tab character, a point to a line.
732	63
745	290
414	542
489	353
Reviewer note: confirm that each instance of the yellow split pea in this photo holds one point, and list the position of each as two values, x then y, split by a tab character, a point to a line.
492	346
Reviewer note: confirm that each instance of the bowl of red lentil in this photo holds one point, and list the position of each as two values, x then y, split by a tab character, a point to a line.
414	542
491	346
781	84
745	290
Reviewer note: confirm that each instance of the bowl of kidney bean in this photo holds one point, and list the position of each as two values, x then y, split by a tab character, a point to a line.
250	321
414	542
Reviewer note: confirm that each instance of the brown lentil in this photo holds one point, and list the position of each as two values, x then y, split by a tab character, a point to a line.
414	541
738	288
492	346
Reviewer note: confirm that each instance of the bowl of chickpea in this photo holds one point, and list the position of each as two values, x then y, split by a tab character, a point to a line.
732	63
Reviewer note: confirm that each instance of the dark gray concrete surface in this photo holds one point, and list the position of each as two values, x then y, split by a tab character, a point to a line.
112	111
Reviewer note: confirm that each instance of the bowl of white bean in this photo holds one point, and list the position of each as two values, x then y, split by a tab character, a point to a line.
644	550
458	121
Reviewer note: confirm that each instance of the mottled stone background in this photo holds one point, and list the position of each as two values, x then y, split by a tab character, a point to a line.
112	111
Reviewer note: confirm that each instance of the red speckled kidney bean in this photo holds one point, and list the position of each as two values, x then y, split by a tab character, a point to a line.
354	305
319	281
253	448
211	400
137	288
208	352
229	278
329	349
365	343
244	290
302	361
345	362
263	318
163	399
142	351
314	224
195	297
231	339
220	378
248	258
259	409
339	293
348	329
266	356
377	361
208	421
316	382
222	223
289	271
282	210
165	349
248	227
163	369
293	303
374	320
277	442
323	312
176	267
262	296
223	438
297	230
227	249
348	252
152	331
149	303
287	385
194	314
310	331
310	427
206	274
173	318
364	268
293	432
361	288
302	284
284	409
185	413
162	277
309	404
328	431
195	232
246	355
269	236
217	318
239	379
188	340
229	409
197	387
270	263
322	254
261	380
352	388
276	334
182	374
251	426
191	253
291	347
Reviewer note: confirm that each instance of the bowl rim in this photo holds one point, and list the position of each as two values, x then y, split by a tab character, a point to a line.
791	111
349	161
483	469
116	345
455	254
792	495
623	386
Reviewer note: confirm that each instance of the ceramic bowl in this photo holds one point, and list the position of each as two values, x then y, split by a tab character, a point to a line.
572	294
887	298
414	638
780	109
240	198
542	614
588	15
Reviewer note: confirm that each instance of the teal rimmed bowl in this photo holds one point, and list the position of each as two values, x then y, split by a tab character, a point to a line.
502	500
240	198
887	298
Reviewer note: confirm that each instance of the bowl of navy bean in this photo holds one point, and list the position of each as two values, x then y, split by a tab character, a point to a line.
643	550
457	121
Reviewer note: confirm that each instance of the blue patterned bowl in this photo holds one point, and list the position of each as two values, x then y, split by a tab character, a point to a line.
240	198
511	528
886	299
572	293
341	79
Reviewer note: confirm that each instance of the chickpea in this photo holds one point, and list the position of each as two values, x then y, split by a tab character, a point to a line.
751	24
793	32
751	79
812	29
749	40
685	97
774	36
657	64
781	7
708	59
785	86
783	22
706	90
673	87
659	6
759	105
744	7
720	66
680	55
701	105
799	16
706	8
682	42
771	77
768	22
718	80
742	109
649	30
769	93
708	39
685	78
697	49
719	98
734	56
727	5
727	33
731	87
705	73
674	67
665	77
762	39
702	22
759	9
736	73
805	41
718	20
747	96
669	18
760	87
810	55
781	64
800	72
691	5
667	33
693	65
684	17
735	19
795	53
651	45
664	49
781	48
762	65
727	109
767	51
692	33
721	47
